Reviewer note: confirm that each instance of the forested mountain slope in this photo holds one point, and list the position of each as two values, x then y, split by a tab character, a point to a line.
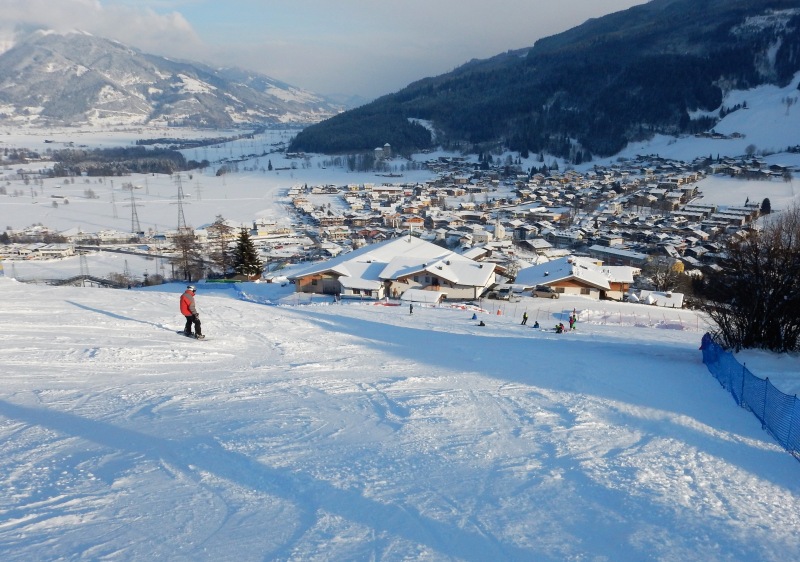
659	67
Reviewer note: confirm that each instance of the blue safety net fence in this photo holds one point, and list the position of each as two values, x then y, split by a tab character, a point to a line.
779	413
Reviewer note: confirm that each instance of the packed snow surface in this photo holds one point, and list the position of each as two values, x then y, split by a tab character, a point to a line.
362	432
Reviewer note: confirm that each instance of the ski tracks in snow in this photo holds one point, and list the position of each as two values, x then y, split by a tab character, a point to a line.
359	433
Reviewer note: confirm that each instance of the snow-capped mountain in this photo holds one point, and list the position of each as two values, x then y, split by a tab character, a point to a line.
76	78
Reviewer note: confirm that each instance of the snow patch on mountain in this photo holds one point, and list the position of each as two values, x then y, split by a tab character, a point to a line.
776	20
767	123
292	94
189	85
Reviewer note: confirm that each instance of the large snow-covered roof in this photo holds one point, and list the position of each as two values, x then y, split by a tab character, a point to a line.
361	275
568	267
619	273
383	252
661	298
404	256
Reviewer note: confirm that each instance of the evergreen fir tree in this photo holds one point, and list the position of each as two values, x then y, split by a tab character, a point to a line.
245	256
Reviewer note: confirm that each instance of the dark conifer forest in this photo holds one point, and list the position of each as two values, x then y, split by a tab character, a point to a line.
587	91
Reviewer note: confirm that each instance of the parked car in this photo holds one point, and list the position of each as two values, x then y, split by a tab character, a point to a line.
504	294
545	292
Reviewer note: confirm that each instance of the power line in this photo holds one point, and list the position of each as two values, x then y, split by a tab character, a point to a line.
135	225
181	217
84	269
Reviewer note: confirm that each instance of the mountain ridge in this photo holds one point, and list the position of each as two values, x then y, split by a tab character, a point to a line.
50	78
589	90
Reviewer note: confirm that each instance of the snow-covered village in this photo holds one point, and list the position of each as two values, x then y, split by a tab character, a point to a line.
449	355
660	202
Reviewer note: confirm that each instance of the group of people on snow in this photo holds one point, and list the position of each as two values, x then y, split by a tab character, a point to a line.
559	328
573	320
189	311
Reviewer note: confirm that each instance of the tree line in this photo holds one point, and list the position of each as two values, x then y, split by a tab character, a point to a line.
120	161
754	297
230	254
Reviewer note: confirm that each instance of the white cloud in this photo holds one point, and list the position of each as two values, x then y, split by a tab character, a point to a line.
136	26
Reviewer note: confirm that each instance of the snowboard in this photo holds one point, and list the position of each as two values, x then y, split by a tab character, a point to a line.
190	336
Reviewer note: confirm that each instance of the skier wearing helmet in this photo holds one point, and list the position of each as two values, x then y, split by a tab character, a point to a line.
189	310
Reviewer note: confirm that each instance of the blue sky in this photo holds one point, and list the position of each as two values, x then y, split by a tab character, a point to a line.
347	46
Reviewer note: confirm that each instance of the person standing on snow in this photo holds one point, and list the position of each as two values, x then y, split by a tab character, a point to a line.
189	310
524	318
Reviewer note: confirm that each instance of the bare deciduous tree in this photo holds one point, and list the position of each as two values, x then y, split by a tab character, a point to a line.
221	234
755	296
190	258
664	273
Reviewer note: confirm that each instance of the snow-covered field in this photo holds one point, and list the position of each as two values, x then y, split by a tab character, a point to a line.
253	192
769	123
242	197
361	432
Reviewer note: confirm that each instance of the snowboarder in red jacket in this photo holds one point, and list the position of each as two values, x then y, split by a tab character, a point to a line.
189	310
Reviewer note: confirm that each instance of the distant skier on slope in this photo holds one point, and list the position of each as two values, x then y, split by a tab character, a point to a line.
189	310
